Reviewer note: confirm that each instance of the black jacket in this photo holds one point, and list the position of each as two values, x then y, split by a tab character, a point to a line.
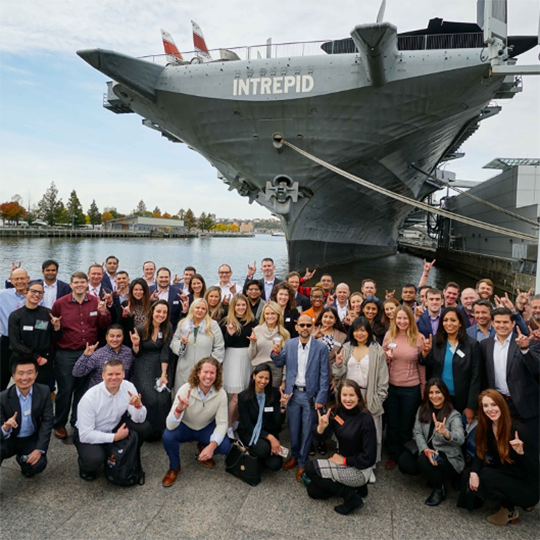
42	413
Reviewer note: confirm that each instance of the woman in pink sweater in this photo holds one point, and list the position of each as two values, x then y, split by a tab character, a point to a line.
403	345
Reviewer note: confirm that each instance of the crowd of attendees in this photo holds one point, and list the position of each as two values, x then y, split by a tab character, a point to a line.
443	383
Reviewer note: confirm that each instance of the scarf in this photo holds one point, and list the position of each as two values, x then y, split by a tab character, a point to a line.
261	399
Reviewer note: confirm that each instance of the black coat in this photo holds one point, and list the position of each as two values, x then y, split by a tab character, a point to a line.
249	413
465	368
42	413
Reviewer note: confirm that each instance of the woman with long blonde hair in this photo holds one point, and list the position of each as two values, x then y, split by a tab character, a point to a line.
197	336
270	329
214	299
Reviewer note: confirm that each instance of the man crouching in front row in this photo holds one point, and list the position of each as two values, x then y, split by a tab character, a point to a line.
199	413
106	413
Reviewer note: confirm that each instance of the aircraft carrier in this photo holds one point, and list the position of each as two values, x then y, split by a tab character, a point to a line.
375	105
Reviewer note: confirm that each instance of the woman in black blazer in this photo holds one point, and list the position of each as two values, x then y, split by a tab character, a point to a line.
261	418
455	358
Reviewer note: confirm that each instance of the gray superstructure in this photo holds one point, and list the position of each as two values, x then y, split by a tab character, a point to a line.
372	113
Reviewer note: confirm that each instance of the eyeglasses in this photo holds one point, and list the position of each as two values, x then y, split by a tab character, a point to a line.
318	297
304	325
33	291
221	272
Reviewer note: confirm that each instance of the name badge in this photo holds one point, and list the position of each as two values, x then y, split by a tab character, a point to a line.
392	345
160	335
93	314
460	353
337	344
27	412
269	409
27	328
42	325
175	302
288	319
339	420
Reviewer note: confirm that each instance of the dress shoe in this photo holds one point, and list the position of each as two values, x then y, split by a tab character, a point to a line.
390	464
305	480
299	473
290	464
438	495
504	517
61	433
351	501
170	478
88	476
210	463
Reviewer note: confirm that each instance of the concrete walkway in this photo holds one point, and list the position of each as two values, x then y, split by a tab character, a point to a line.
211	504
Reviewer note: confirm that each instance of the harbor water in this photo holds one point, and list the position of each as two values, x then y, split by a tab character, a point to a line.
206	255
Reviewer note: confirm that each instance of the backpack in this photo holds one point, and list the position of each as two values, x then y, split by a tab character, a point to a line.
123	466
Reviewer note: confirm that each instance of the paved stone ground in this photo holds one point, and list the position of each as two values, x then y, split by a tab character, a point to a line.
211	504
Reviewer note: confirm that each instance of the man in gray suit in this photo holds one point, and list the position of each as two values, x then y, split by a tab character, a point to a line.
511	366
306	388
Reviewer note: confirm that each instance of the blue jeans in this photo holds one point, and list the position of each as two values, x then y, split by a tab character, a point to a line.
302	418
182	434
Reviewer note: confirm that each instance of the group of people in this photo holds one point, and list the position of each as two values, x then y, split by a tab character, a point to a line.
447	381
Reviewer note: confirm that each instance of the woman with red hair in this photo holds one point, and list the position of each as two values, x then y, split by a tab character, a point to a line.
505	467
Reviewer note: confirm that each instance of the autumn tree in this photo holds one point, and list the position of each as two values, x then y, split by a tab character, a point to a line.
190	221
94	214
75	211
156	212
12	211
166	215
106	216
51	207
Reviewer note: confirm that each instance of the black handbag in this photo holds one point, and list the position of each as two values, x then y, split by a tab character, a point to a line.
411	447
240	463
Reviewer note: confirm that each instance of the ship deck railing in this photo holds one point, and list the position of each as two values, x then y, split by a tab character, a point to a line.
315	48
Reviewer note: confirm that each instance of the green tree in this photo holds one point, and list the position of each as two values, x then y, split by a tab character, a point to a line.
94	214
32	215
63	216
141	209
190	221
201	222
75	211
181	213
206	223
114	213
50	206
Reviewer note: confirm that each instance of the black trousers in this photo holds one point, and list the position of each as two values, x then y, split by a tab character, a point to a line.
70	389
92	456
263	450
324	488
532	424
5	363
414	465
22	446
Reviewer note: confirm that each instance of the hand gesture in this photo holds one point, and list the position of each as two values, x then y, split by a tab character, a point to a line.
126	310
135	338
428	266
324	419
176	279
308	275
184	300
534	334
252	269
523	299
426	345
284	400
154	296
122	433
522	340
102	307
185	339
15	266
231	329
11	423
389	354
390	294
419	311
183	403
252	337
331	298
517	444
232	288
55	321
339	357
135	400
440	427
89	350
107	297
277	346
225	301
317	332
349	319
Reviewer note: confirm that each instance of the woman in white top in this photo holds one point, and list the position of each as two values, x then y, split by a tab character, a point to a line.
262	339
196	337
363	360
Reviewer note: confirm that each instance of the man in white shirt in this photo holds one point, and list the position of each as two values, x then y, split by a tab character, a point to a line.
95	275
53	288
106	413
342	300
149	270
199	413
228	288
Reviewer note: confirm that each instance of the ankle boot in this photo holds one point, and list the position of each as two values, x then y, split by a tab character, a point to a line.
351	501
504	516
438	495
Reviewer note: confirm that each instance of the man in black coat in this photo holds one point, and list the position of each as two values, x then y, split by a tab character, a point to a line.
26	418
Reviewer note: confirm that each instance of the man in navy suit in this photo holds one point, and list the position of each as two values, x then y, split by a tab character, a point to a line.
165	290
306	388
303	303
110	268
429	320
269	279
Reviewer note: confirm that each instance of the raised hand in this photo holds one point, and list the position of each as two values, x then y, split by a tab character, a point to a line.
324	419
102	307
504	302
231	329
517	444
176	279
252	269
15	266
183	403
185	339
419	310
308	275
522	340
184	300
232	288
534	334
135	338
426	345
154	296
330	300
252	337
89	350
135	400
225	301
122	433
428	266
339	357
107	297
11	423
126	310
317	332
55	321
440	427
390	294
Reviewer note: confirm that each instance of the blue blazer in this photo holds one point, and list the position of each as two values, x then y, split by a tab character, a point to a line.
175	305
62	288
424	324
106	282
317	369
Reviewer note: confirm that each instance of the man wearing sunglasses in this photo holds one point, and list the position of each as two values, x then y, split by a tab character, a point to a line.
306	388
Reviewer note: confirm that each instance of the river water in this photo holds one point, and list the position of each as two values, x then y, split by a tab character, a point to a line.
206	255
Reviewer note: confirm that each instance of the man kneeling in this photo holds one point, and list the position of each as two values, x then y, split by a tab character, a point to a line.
106	413
26	417
199	413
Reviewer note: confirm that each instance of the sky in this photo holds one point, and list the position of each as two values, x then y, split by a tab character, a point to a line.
53	126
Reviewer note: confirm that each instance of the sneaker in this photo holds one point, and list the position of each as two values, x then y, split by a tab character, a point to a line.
372	478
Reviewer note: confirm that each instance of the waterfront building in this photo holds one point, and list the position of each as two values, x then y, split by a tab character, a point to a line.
140	223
